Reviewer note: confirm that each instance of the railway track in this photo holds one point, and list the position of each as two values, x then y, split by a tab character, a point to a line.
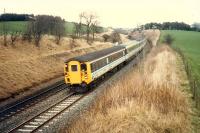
24	104
42	119
38	122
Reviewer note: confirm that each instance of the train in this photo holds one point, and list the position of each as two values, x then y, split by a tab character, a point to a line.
81	72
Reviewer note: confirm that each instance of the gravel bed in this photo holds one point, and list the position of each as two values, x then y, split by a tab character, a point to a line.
15	120
32	91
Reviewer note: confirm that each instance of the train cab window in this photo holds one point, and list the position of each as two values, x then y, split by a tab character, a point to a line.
74	68
83	67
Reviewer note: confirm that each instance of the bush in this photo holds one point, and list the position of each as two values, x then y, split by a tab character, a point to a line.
106	37
115	37
168	39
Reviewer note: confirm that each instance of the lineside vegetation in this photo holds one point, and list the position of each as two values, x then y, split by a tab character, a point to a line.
147	99
187	43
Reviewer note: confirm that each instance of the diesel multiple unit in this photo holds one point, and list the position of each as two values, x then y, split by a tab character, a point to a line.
82	71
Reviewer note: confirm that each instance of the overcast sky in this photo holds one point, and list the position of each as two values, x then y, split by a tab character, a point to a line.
115	13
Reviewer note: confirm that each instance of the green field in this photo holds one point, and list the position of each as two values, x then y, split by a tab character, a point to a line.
70	27
21	26
12	26
189	43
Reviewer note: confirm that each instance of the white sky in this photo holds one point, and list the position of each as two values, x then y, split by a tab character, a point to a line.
115	13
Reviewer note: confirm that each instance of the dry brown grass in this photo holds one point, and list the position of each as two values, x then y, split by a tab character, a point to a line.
25	65
147	99
153	35
124	38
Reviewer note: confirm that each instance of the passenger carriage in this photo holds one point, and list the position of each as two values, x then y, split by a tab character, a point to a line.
83	70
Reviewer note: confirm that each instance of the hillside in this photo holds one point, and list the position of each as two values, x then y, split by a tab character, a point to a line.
20	26
25	65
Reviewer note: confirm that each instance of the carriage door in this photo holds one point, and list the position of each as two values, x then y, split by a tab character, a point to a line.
75	72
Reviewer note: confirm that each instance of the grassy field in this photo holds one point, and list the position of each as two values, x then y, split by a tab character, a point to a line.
189	43
21	26
11	26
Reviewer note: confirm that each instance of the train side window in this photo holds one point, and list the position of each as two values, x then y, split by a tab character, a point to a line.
107	60
92	67
74	68
83	67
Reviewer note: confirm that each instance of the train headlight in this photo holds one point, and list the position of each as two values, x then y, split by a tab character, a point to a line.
66	68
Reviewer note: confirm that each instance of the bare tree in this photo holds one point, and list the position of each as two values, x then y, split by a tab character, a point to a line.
40	26
59	29
29	31
94	28
89	18
44	24
72	42
14	35
5	32
115	37
37	32
79	26
76	30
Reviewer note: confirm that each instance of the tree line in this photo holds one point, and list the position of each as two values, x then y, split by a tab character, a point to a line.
39	25
170	26
45	24
15	17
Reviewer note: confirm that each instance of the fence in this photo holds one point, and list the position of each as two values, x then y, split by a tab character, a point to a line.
193	79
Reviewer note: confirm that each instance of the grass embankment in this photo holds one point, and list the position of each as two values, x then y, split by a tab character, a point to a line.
25	65
189	43
147	99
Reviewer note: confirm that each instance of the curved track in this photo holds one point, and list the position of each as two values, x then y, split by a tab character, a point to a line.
24	104
42	119
39	121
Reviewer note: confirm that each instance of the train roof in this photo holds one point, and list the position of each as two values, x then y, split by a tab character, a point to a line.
97	54
130	43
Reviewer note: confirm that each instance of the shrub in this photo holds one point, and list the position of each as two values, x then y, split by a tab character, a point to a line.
115	37
168	39
106	37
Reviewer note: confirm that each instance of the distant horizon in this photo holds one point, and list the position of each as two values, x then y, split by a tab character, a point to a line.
117	14
100	25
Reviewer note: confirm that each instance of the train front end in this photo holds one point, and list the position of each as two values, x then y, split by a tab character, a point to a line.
77	75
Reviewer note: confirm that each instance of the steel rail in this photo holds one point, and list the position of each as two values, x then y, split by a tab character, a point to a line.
25	104
32	118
